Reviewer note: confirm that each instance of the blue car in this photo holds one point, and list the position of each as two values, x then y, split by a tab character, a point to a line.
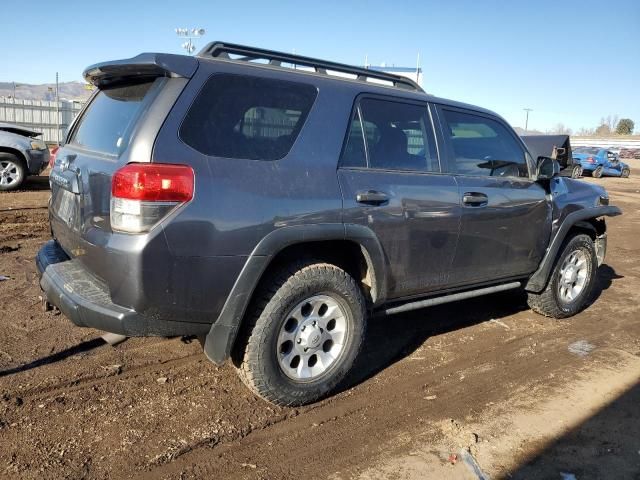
600	162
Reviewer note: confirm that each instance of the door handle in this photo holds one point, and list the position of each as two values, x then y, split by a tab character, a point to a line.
372	197
475	199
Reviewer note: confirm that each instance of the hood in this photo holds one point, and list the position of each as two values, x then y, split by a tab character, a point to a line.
19	130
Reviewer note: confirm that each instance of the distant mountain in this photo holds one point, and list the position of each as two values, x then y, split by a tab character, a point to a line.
47	91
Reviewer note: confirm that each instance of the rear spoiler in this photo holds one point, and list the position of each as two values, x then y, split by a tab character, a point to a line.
144	65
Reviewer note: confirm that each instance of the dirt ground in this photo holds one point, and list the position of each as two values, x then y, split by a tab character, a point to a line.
483	388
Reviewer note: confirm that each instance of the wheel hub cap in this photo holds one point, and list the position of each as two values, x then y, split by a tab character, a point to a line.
310	335
312	338
570	275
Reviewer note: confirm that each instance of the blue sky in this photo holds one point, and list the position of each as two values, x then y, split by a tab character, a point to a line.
572	62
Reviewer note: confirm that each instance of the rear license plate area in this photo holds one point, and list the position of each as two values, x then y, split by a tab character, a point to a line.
65	206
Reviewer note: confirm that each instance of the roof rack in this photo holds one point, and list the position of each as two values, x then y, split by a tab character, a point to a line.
250	54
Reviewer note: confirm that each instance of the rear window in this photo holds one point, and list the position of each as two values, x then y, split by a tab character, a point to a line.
108	121
247	117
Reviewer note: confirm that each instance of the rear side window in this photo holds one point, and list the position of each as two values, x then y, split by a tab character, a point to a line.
398	136
247	117
106	125
483	146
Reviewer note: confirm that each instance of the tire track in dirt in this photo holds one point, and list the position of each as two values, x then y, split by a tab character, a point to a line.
342	427
89	382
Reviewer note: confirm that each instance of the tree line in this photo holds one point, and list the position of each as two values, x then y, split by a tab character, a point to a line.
609	125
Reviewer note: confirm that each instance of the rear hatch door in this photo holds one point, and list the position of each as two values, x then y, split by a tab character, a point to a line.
102	140
81	177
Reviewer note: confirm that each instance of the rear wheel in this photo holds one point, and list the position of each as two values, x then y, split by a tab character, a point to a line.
598	172
12	172
571	283
576	172
625	173
305	330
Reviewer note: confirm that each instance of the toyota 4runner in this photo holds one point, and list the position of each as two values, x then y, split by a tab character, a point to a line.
269	203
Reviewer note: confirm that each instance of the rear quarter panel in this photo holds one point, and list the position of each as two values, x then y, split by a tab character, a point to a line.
237	202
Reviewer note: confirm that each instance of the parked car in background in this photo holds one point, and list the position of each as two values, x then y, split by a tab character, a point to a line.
601	162
557	147
21	155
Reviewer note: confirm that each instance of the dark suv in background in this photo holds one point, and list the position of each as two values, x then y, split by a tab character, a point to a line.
269	203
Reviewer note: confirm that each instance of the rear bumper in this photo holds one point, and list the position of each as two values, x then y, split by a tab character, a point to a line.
86	301
38	160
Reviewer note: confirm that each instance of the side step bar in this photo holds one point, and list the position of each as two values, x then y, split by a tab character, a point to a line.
429	302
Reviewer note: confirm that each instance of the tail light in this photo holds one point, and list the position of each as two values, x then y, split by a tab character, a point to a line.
52	156
142	194
591	160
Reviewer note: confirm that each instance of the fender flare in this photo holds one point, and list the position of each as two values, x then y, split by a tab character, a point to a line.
538	281
19	150
219	342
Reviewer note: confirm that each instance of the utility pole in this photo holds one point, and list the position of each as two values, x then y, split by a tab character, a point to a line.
526	122
57	112
15	85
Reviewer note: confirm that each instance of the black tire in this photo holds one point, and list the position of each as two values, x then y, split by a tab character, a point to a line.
597	173
549	302
13	172
256	355
625	173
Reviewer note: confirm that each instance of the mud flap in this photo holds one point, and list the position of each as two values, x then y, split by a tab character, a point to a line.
601	248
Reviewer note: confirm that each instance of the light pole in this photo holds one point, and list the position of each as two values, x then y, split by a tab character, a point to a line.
15	85
189	34
526	122
57	112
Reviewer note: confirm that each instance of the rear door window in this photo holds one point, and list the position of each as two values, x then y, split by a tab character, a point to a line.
483	146
107	123
247	117
398	136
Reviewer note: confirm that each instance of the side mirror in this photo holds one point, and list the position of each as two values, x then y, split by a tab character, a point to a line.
547	168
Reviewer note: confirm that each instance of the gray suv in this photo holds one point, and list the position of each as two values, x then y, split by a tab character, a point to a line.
270	203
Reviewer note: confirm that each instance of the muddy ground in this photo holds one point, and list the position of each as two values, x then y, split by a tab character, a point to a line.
485	383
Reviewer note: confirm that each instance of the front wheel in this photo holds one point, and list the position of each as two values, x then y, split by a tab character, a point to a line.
305	331
625	173
572	280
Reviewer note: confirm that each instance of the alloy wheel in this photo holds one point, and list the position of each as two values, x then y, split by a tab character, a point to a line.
573	276
9	173
312	338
